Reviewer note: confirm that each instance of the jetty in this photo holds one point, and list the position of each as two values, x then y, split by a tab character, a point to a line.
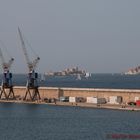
53	96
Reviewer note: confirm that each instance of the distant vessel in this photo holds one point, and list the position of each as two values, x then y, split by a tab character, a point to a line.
43	77
78	77
87	75
68	72
133	71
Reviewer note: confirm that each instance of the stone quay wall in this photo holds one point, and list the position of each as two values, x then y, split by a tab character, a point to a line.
55	92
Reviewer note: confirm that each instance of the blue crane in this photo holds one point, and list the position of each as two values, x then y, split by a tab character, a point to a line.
6	77
32	78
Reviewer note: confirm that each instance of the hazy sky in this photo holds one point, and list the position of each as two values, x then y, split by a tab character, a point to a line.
96	35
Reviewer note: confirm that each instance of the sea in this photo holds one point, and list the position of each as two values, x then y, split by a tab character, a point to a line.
50	122
116	81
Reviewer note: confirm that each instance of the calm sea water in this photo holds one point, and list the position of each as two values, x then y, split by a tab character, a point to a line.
45	122
95	81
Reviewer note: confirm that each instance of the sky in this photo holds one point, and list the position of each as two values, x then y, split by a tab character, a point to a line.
99	36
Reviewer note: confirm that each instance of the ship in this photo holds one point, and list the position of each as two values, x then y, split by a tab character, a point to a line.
75	71
133	71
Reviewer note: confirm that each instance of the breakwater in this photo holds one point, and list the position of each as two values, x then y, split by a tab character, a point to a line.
55	92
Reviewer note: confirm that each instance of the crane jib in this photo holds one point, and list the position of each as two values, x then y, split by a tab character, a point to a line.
30	64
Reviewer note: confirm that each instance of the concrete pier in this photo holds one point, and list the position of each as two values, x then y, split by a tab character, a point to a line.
55	92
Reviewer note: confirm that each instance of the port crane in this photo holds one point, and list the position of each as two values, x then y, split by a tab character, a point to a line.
6	85
32	78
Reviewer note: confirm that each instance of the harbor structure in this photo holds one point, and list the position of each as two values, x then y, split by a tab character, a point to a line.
92	97
32	80
6	84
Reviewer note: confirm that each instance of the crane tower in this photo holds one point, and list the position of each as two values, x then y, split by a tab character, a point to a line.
32	78
6	85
